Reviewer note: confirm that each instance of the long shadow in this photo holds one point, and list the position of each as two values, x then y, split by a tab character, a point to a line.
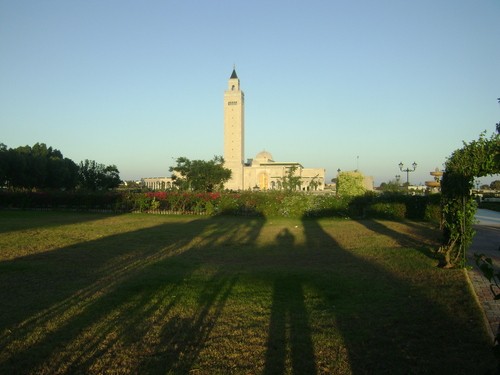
386	322
91	297
405	239
289	328
159	293
20	220
182	338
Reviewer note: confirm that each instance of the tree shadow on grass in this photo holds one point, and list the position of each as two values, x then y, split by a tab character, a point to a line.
386	321
154	300
20	220
289	329
182	338
67	310
421	237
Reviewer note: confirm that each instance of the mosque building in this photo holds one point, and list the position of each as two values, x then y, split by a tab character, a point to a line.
262	172
259	173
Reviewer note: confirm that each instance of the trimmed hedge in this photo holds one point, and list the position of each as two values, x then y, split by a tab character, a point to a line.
494	206
268	204
398	206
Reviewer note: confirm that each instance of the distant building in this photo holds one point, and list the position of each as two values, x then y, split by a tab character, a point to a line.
157	183
262	172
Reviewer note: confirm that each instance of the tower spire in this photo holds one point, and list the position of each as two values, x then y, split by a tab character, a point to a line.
234	75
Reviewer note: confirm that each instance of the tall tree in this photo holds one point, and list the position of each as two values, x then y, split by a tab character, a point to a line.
200	175
3	164
391	186
95	176
37	167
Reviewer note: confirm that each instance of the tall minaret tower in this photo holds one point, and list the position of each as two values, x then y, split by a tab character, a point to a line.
234	118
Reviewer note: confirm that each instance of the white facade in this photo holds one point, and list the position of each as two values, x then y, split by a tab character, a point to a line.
234	130
158	183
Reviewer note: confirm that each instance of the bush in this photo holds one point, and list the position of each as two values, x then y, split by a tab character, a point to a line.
387	210
269	204
494	206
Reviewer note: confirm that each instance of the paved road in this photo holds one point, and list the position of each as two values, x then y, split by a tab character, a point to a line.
486	241
488	217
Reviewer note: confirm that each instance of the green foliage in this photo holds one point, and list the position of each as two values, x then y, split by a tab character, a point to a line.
350	184
200	175
290	181
475	159
249	203
387	210
390	187
39	167
396	206
44	168
494	206
94	176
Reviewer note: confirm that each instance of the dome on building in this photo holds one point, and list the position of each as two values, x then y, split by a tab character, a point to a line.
264	156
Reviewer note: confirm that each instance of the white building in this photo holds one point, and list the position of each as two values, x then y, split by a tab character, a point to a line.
157	183
262	172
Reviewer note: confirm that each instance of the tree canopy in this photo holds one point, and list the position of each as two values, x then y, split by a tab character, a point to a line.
475	159
350	184
95	176
200	175
42	167
391	186
36	167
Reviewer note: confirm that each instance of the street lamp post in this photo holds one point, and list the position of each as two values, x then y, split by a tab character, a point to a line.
407	170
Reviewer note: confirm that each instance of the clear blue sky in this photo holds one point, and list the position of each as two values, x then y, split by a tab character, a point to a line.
331	84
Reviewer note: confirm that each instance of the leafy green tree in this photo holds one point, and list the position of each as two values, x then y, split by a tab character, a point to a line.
390	186
350	184
39	167
3	164
475	159
291	181
62	174
200	175
95	176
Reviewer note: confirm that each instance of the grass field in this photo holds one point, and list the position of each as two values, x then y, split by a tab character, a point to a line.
145	294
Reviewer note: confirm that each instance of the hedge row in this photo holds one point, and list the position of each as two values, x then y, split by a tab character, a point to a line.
494	206
269	204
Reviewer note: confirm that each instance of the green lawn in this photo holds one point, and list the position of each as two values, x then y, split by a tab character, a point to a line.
145	294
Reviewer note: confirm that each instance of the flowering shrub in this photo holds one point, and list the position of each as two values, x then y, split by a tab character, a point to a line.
180	202
268	204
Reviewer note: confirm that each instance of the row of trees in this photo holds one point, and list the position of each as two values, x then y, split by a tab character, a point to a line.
42	167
